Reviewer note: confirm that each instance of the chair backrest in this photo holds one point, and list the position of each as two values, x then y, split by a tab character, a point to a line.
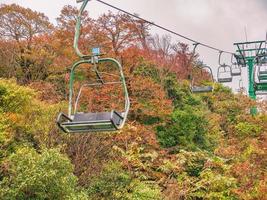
224	73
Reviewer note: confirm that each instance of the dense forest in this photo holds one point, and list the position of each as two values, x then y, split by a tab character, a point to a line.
175	144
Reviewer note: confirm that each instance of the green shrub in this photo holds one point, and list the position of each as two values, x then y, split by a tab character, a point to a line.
24	120
214	186
14	98
180	93
187	129
39	176
247	129
192	162
115	183
148	70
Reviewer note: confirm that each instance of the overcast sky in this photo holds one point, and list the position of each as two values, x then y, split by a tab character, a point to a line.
219	23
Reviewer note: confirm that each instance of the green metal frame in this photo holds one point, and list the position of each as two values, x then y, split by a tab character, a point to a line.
101	60
249	56
92	60
78	29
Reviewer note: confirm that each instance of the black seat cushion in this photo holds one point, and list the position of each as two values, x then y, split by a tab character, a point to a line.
112	117
225	80
202	89
87	117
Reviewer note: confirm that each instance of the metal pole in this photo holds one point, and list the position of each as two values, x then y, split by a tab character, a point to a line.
251	90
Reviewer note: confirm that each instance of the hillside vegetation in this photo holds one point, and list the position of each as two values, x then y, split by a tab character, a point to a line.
175	145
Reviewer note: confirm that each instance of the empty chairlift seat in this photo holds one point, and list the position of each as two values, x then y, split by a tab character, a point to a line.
235	67
224	74
262	72
202	88
76	122
236	70
91	122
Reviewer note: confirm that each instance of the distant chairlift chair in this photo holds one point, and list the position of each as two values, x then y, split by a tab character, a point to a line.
199	88
235	68
224	73
260	86
202	88
262	71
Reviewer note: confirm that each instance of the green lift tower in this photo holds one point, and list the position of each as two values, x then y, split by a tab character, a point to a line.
254	56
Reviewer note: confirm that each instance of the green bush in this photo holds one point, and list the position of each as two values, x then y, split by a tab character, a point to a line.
245	129
24	120
214	186
115	183
148	70
187	129
48	175
14	98
192	162
180	93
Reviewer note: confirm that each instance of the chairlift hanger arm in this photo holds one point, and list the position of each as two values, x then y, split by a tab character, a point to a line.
78	29
195	47
194	51
232	56
77	64
211	73
220	55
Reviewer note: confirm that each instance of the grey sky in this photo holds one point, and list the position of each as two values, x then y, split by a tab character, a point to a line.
219	23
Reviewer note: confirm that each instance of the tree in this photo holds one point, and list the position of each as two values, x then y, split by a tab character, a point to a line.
22	25
141	29
117	30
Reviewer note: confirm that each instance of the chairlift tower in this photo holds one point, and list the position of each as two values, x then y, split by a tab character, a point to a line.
249	55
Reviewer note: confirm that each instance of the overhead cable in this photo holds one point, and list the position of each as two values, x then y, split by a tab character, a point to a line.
163	28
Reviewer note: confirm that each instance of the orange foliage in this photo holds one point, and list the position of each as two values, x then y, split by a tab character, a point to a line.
148	99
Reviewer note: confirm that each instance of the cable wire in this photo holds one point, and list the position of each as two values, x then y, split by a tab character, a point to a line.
163	28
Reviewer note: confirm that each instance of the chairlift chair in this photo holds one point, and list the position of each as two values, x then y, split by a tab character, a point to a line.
224	73
202	88
199	88
94	121
74	121
262	71
235	68
260	88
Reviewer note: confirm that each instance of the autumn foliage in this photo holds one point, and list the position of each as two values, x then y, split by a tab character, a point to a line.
175	145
